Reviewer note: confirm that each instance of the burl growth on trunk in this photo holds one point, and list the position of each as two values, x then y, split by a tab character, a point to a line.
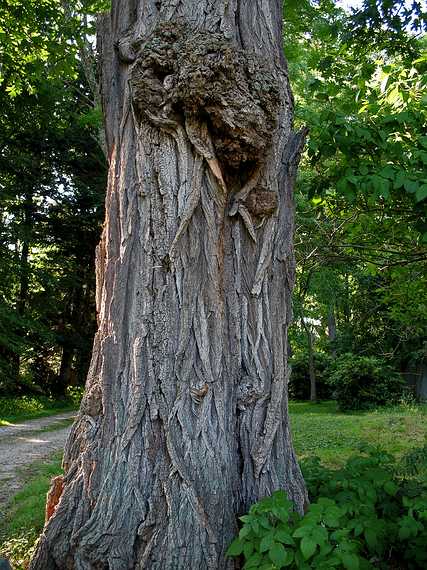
225	99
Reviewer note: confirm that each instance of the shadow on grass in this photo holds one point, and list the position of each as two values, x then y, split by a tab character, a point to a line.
327	407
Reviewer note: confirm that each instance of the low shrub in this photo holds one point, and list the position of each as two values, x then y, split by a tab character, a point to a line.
22	405
75	394
365	515
27	407
364	382
299	381
414	462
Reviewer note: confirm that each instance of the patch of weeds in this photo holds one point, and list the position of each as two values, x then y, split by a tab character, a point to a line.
25	515
363	516
19	549
30	407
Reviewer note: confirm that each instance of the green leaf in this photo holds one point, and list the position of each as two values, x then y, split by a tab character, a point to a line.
302	531
404	533
235	548
350	561
410	186
283	536
300	562
381	185
248	550
409	527
266	542
388	172
253	562
399	180
358	529
421	193
289	558
371	538
277	554
308	547
391	488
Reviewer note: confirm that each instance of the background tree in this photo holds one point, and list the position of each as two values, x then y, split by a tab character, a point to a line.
51	179
361	202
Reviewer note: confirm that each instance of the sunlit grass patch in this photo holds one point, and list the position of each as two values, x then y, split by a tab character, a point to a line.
5	423
321	429
29	407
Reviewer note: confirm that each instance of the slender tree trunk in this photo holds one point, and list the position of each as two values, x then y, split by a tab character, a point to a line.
24	277
24	281
86	326
184	423
65	370
332	330
311	367
346	301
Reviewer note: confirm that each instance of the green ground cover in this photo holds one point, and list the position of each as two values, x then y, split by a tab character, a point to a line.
24	519
322	430
31	407
318	429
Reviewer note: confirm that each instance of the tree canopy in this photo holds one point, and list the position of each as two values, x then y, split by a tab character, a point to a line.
359	81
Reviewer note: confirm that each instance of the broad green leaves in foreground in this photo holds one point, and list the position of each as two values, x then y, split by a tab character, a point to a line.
365	515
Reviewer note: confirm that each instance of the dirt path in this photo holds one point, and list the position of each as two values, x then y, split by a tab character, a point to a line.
22	444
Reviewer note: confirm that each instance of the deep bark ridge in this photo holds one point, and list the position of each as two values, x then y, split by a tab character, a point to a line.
184	423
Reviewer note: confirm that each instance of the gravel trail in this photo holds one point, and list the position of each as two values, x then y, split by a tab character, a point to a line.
24	443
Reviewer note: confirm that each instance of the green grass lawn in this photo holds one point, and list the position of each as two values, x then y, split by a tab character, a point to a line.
24	519
321	429
318	429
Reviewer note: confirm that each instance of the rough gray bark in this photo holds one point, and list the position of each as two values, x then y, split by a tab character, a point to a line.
184	423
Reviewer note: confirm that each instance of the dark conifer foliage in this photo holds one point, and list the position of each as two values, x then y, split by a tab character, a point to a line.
52	178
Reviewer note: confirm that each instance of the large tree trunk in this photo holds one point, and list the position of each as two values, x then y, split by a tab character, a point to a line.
184	423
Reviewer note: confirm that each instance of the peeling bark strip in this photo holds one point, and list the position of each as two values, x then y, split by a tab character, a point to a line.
184	423
53	496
